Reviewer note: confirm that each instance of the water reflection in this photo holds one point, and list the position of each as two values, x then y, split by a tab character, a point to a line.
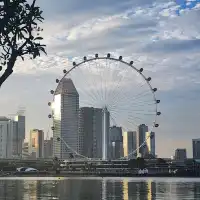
104	189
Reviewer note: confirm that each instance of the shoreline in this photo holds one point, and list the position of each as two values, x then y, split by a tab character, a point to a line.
101	175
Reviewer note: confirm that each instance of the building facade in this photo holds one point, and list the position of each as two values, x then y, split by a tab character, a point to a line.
6	135
65	119
86	127
116	142
180	154
36	144
196	148
98	133
25	150
19	135
105	134
141	136
90	132
129	144
150	144
48	148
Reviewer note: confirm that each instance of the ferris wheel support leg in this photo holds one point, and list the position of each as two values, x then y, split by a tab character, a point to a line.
105	134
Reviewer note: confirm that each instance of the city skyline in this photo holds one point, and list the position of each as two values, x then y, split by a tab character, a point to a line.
136	30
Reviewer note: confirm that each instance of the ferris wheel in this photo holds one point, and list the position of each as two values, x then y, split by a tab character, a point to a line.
106	82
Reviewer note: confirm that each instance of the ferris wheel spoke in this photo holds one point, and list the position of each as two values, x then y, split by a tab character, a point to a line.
117	113
122	123
134	117
101	86
114	83
132	124
131	106
84	90
113	75
125	96
149	102
90	81
117	84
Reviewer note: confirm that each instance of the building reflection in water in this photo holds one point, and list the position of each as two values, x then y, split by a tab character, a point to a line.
94	189
196	187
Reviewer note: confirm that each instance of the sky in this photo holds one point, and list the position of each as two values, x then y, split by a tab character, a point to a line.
161	36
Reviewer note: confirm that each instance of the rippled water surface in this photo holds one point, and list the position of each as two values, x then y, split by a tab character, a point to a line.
94	189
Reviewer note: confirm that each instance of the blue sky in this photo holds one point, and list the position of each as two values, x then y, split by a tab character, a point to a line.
163	36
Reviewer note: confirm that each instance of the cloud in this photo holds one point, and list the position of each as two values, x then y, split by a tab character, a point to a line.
158	35
143	31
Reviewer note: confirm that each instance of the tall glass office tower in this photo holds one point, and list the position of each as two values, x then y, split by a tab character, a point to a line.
65	120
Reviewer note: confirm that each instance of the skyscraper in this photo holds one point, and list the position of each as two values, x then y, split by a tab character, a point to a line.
196	148
116	142
129	143
86	132
105	133
98	132
13	135
19	134
90	132
6	135
36	144
65	119
141	136
150	144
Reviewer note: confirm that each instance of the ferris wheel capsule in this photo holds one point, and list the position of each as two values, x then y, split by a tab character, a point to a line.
149	79
158	113
155	89
96	55
57	81
64	71
141	70
52	92
120	57
108	55
49	103
131	63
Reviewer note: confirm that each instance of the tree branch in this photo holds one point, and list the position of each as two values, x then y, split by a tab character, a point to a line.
9	69
18	21
5	75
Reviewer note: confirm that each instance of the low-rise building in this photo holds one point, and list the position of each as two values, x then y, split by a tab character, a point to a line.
180	154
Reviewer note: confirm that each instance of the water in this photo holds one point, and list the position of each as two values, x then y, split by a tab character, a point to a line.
99	188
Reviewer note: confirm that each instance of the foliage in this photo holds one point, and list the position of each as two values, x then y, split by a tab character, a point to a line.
19	33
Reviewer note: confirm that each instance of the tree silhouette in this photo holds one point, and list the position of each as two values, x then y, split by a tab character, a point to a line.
19	33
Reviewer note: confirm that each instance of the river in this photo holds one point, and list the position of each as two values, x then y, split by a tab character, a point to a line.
99	188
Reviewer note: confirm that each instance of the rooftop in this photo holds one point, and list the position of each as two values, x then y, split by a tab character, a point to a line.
2	118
